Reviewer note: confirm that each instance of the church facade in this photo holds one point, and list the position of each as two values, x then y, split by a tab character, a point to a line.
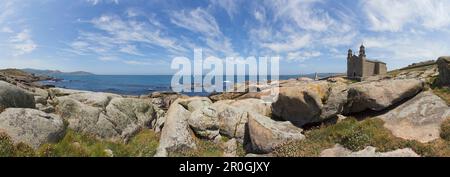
360	67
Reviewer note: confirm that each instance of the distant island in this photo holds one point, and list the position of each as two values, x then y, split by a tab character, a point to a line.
56	73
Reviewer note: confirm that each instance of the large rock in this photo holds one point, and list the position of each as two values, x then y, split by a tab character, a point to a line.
96	99
57	92
266	134
194	103
419	118
301	104
176	134
12	96
335	102
230	148
205	122
444	70
121	118
164	99
129	115
31	126
254	105
339	151
379	95
232	120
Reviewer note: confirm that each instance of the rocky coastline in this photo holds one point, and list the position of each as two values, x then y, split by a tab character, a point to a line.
412	104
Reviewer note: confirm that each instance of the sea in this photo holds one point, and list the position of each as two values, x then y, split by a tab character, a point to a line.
135	84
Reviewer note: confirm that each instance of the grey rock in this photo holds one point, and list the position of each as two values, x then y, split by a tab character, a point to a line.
419	118
339	151
444	70
266	134
379	95
176	134
230	148
12	96
205	122
31	126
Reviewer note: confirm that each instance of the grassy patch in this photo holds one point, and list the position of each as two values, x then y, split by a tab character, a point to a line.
204	149
445	130
355	135
9	149
443	92
74	144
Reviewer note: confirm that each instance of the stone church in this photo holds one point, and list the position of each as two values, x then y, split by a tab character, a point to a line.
360	67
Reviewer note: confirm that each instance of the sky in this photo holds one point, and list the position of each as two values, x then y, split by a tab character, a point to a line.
143	36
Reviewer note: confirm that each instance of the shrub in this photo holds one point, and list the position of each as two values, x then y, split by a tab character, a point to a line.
7	148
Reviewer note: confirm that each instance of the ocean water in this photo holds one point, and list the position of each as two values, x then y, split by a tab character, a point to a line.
129	84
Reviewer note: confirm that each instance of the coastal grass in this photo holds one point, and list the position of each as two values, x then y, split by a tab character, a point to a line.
204	149
356	135
443	92
9	149
75	144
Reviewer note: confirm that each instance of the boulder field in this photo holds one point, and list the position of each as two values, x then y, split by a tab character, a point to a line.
405	102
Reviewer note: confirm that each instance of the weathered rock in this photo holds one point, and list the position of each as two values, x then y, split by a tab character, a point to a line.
335	102
31	126
96	99
176	134
194	103
254	105
205	122
129	115
57	92
444	70
40	100
301	104
379	95
45	108
119	120
164	99
226	96
266	134
232	120
12	96
339	151
230	148
419	118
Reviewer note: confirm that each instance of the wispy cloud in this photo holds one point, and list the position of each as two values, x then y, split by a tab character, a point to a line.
394	15
22	43
202	22
95	2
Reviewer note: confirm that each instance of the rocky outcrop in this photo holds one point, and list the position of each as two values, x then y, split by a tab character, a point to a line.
95	99
232	120
230	148
301	104
195	103
163	99
254	105
176	134
120	119
339	151
444	70
419	118
266	134
31	126
335	102
379	95
205	122
12	96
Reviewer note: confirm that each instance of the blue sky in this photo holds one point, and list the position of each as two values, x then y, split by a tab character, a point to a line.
142	36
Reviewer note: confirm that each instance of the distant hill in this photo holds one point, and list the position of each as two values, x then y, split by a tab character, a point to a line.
55	73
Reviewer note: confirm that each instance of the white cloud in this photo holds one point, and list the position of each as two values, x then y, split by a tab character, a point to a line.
230	6
95	2
22	43
394	15
119	35
294	43
130	49
302	55
6	30
203	23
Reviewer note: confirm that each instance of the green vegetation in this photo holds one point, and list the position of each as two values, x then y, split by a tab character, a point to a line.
8	149
443	92
445	130
204	149
74	144
355	135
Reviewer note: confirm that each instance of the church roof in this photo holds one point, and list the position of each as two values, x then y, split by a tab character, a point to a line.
375	61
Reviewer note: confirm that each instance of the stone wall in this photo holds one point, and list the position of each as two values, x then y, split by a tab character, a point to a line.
369	68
